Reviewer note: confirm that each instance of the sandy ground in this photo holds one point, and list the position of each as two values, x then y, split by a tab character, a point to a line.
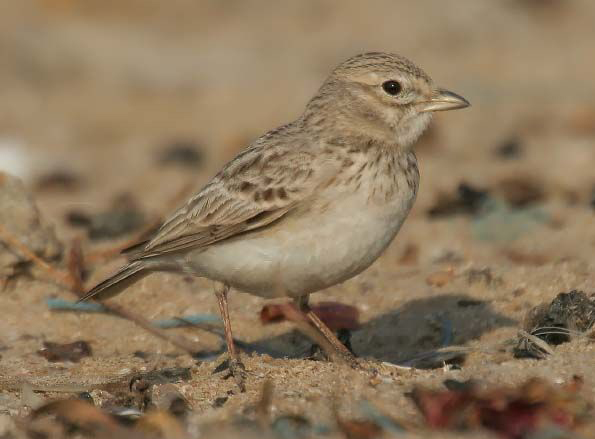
100	89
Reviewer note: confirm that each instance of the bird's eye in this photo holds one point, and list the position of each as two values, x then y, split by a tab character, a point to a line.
391	87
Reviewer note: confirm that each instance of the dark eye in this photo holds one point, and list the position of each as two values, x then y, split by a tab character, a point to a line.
391	87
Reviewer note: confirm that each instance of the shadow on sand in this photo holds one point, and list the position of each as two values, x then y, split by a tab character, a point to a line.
418	326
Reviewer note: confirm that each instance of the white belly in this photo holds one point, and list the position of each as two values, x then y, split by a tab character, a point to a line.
304	253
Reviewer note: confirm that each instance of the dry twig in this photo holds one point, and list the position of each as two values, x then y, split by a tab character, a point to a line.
56	275
72	281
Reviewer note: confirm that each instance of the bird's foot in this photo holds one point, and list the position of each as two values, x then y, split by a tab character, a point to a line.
343	351
356	363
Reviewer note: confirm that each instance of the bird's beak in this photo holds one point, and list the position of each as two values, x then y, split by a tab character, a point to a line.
443	100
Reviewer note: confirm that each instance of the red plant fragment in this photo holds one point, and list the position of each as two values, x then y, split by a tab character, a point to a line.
54	352
335	315
512	413
354	429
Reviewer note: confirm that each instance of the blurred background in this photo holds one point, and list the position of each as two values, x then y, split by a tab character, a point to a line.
101	90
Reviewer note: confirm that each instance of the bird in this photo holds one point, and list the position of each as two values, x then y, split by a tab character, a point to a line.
307	205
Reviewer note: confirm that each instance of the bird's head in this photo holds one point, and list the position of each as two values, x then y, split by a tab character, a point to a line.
383	95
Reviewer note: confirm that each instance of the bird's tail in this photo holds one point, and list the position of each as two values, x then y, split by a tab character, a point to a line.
117	283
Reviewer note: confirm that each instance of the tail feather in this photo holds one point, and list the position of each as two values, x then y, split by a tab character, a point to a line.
117	283
135	251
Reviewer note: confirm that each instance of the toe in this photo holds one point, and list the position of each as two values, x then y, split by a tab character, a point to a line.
238	372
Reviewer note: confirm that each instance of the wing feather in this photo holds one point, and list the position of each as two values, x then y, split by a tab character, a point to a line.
258	187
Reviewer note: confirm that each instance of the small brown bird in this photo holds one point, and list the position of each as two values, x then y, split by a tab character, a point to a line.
309	204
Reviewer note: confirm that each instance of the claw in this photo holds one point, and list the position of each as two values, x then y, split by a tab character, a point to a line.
236	370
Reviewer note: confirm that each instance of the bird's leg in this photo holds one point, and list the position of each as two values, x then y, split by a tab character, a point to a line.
302	303
236	368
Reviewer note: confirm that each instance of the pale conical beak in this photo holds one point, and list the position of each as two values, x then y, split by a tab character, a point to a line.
443	100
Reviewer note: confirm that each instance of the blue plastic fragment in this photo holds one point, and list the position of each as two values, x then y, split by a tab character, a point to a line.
56	304
195	319
67	305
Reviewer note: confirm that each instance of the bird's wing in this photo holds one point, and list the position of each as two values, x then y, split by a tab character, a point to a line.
256	188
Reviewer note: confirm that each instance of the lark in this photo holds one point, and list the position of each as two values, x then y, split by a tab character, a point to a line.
309	204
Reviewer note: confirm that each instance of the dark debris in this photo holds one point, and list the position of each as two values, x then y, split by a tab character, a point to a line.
121	218
181	153
55	352
567	314
509	149
467	200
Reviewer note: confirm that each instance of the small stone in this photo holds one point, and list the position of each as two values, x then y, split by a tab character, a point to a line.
20	217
